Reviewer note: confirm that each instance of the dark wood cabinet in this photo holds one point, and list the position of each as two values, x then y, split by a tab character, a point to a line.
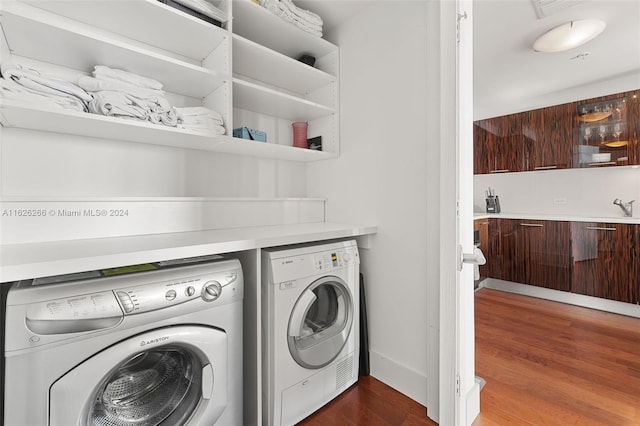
606	260
548	137
498	145
595	132
481	229
594	259
633	113
534	252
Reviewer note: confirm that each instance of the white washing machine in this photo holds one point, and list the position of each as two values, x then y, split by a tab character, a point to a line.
119	348
310	328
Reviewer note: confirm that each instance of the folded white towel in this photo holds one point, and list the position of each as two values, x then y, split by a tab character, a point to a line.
206	128
199	113
12	90
303	14
34	80
116	104
101	71
283	11
205	8
92	84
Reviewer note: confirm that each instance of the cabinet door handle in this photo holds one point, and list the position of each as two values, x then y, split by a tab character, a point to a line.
537	225
499	171
546	167
599	228
484	223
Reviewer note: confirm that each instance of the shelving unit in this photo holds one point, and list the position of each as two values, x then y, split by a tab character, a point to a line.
73	36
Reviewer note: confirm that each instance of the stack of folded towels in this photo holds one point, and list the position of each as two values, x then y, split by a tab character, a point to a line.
29	85
119	93
301	18
111	92
200	119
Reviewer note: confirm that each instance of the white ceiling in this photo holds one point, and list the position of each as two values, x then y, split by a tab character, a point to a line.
507	71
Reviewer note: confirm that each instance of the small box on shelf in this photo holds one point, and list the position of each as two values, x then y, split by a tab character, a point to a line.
248	133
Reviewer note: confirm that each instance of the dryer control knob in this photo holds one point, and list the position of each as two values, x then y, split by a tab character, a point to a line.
346	256
211	291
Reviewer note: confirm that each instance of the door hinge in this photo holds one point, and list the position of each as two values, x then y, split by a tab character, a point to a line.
461	16
457	385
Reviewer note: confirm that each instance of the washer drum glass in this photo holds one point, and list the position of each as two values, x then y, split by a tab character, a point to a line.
152	387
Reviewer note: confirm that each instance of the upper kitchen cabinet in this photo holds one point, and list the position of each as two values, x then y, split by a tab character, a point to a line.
498	145
595	132
633	125
547	137
605	131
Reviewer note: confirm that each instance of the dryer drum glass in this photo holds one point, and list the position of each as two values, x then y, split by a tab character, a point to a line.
324	311
154	386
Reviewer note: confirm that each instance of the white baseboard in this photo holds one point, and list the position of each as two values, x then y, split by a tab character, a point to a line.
472	403
400	377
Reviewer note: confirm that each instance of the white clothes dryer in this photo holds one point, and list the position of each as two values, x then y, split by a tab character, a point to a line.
310	328
119	348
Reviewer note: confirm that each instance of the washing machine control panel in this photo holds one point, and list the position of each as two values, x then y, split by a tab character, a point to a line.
150	297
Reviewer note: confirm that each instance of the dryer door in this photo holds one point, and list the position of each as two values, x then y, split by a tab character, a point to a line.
171	376
320	322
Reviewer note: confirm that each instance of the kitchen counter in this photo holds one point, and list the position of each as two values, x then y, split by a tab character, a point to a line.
30	260
568	218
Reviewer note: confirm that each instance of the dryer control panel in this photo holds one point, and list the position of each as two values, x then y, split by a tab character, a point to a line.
314	262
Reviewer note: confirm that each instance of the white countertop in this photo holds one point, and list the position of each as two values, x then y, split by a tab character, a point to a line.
567	218
23	261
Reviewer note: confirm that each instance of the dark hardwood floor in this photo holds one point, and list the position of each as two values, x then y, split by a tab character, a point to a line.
545	363
370	402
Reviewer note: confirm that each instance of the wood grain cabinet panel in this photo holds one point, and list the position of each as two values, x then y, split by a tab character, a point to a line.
606	260
501	250
633	114
548	137
498	145
481	227
543	253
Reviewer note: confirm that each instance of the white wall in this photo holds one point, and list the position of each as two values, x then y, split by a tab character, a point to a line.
581	192
381	178
623	83
37	164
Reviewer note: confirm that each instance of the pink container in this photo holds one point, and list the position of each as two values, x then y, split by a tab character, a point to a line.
300	134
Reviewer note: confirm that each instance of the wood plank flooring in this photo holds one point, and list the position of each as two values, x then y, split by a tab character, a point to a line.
545	363
548	363
372	403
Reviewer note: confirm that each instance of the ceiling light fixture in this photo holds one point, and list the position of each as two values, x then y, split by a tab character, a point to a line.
569	35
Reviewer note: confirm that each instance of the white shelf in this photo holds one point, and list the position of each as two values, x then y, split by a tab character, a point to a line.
13	114
253	97
256	23
257	62
70	44
124	18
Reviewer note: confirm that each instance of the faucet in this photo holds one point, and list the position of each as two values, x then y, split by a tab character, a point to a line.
627	208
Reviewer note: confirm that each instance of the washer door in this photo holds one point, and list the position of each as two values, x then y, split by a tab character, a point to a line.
320	322
170	376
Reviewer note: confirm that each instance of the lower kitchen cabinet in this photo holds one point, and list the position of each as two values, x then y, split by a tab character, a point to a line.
534	252
594	259
481	239
543	254
606	260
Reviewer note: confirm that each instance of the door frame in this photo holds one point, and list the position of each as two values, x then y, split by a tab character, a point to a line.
457	401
